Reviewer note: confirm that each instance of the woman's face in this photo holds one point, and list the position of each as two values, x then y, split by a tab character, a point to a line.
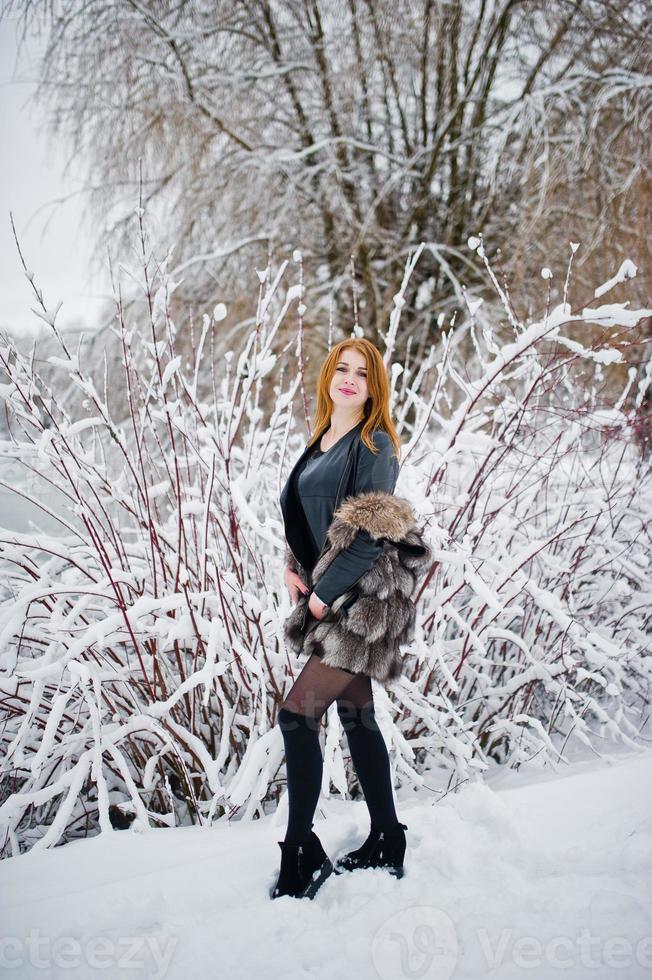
348	386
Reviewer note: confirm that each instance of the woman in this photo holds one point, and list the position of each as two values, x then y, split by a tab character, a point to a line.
350	570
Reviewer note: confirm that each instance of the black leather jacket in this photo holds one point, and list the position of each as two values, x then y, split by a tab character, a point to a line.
347	468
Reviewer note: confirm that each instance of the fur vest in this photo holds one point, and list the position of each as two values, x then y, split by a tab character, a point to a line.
366	627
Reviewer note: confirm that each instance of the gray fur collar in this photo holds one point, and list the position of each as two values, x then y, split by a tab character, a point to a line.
381	514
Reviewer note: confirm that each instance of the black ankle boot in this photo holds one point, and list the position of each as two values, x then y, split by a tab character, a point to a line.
382	849
304	868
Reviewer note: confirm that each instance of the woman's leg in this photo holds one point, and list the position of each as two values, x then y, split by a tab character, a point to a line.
312	693
368	752
314	690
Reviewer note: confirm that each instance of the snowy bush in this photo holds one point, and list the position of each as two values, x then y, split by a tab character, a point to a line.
142	660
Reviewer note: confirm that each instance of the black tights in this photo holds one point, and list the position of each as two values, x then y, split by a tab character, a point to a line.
314	690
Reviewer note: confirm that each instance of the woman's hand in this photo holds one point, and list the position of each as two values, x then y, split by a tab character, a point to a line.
316	606
295	584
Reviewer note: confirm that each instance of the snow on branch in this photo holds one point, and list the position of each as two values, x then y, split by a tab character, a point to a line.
142	660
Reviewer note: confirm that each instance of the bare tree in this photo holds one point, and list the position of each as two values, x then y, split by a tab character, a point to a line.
352	127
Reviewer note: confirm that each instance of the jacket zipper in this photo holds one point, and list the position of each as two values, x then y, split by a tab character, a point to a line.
303	621
339	486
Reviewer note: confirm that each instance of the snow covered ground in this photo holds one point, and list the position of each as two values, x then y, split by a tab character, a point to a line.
524	874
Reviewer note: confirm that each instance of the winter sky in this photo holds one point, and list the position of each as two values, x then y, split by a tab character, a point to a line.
46	205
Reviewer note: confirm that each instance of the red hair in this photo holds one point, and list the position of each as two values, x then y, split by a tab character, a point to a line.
376	408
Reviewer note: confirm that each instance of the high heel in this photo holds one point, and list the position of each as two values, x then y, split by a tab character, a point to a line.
382	849
304	868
